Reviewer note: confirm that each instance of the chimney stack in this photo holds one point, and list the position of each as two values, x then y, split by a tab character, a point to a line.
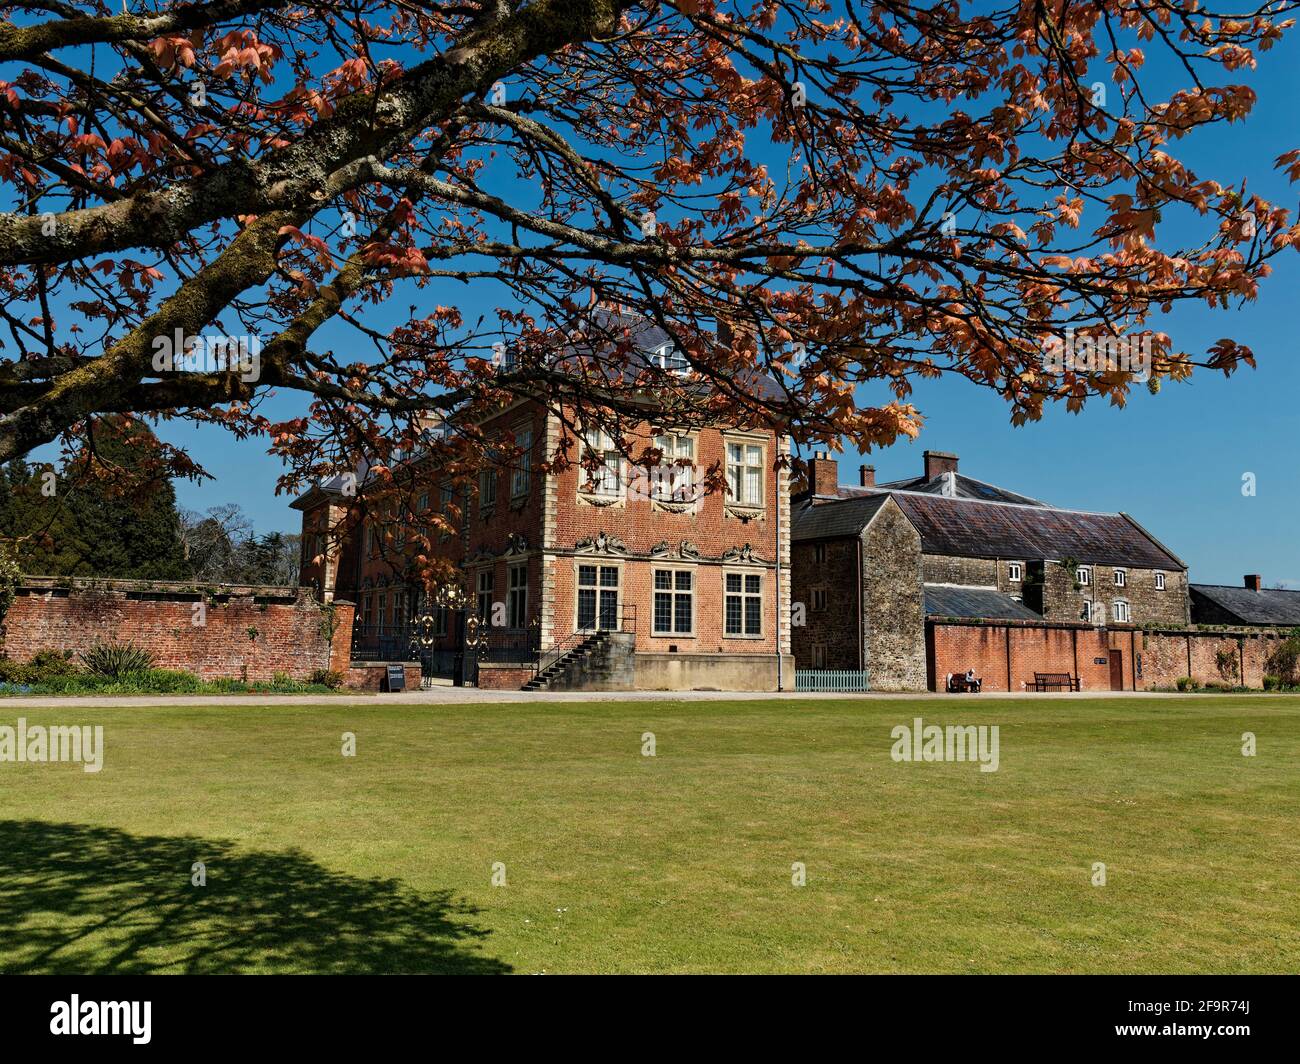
938	462
823	474
1253	581
867	476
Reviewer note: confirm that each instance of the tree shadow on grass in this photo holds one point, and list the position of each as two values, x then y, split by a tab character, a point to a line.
79	899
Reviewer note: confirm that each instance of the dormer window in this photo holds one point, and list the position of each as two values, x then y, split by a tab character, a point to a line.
668	358
503	358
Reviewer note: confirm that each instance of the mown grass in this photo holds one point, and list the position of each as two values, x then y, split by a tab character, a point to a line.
616	862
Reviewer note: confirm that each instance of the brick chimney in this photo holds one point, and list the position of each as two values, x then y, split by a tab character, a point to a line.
937	462
726	334
867	476
1253	581
823	474
730	336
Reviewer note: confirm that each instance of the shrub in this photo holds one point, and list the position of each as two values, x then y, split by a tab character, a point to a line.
144	681
282	679
331	678
1187	683
47	664
1225	661
53	663
117	659
1283	661
166	681
16	672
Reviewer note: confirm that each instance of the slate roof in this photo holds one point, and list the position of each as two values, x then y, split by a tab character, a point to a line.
1269	606
609	329
975	602
967	528
974	529
831	520
328	488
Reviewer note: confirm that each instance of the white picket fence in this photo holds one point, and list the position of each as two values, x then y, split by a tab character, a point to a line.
830	680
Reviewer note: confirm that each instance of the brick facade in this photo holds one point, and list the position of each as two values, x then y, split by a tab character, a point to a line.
718	551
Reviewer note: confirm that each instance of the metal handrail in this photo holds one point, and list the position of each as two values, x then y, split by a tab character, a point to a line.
627	625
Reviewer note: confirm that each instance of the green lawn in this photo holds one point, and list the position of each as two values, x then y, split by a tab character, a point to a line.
617	862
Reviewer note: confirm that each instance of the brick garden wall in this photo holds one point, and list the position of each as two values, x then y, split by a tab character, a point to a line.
373	675
1165	656
999	651
1006	656
290	632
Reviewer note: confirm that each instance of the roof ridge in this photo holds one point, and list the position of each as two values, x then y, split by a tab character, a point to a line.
1242	587
999	487
884	489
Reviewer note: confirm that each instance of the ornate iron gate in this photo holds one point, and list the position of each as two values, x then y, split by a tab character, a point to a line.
448	644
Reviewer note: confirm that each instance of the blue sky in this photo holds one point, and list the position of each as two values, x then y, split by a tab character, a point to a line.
1174	461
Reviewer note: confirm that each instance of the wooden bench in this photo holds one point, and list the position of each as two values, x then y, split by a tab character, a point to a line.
1046	681
960	685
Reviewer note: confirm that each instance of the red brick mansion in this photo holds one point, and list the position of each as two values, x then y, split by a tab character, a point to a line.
624	577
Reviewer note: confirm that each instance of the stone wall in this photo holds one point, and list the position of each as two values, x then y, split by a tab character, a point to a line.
893	607
971	572
1051	591
216	632
710	672
829	600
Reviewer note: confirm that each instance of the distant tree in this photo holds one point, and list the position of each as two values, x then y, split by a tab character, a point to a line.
271	559
210	540
77	520
220	547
